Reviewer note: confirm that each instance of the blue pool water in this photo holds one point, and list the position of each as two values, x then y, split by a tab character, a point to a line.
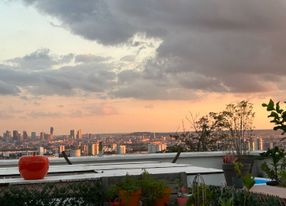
261	181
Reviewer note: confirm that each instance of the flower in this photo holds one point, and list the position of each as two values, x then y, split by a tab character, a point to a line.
229	158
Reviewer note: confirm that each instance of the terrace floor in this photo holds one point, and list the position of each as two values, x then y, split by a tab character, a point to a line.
81	172
270	190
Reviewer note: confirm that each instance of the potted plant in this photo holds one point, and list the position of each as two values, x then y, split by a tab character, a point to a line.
111	196
183	196
129	191
276	169
154	191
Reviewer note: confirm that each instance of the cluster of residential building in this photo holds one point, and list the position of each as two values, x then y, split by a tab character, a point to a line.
15	144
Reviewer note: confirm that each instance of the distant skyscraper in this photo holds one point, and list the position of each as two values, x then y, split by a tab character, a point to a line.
42	150
61	148
253	146
84	149
153	148
93	149
16	136
113	147
33	135
7	136
79	134
46	136
100	148
121	149
52	131
260	143
42	136
75	153
25	135
72	134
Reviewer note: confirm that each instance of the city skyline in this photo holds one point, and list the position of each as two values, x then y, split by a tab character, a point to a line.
112	66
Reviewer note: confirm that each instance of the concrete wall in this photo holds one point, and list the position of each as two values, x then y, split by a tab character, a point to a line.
201	159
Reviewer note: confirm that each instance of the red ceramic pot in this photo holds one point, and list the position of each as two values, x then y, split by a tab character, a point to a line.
130	198
33	167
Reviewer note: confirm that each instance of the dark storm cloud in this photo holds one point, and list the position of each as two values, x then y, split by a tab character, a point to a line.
209	45
90	58
8	89
39	60
90	18
93	77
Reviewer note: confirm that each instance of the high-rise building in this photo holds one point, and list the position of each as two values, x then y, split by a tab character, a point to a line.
25	135
75	153
253	146
47	137
79	134
33	135
72	134
100	148
260	143
121	149
51	135
113	147
16	136
7	136
51	130
42	136
84	149
61	148
153	148
93	149
42	150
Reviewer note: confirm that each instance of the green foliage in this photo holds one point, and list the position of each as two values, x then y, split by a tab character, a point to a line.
226	202
277	115
65	194
112	193
241	197
92	193
235	121
176	148
248	181
278	162
208	130
201	195
129	184
239	118
152	189
282	175
237	168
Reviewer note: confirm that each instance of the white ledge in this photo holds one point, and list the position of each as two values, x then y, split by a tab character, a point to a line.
128	157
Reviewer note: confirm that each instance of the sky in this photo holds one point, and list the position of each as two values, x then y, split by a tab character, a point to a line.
140	65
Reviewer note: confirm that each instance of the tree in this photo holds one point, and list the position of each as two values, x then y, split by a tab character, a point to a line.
205	133
239	124
230	128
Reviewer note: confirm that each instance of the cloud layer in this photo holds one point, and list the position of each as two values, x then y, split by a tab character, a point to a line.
207	46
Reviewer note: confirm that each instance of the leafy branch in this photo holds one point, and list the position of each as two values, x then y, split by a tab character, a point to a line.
277	114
